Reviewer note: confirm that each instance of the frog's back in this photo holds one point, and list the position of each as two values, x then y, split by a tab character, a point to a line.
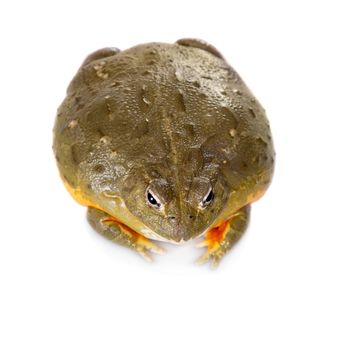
178	107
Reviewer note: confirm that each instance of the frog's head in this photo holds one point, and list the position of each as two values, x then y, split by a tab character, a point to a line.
174	207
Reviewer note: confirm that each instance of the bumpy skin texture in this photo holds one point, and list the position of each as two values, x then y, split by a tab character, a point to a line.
174	119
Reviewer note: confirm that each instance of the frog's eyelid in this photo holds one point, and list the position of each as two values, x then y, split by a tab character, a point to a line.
203	202
200	44
110	194
148	190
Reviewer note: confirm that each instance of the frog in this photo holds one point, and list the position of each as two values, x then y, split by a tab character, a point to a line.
164	142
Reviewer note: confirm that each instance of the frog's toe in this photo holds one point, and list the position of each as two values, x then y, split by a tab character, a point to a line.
144	246
214	255
204	243
145	254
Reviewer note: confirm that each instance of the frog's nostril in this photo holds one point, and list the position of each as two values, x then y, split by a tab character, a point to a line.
191	216
172	218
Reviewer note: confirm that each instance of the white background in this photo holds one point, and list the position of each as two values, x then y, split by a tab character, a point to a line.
286	285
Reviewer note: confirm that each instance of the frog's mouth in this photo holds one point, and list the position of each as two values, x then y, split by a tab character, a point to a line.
148	233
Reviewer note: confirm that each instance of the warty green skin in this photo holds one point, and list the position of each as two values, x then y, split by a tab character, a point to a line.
175	118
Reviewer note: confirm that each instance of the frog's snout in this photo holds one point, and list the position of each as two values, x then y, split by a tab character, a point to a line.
180	231
177	229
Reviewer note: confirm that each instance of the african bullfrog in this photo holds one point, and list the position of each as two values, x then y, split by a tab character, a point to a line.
164	142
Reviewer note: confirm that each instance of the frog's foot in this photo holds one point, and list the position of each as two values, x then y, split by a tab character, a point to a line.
219	240
117	232
144	246
141	244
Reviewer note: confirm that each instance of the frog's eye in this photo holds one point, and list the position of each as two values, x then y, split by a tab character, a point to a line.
152	199
208	198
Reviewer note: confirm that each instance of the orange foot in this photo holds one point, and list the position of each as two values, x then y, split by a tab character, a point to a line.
215	241
136	241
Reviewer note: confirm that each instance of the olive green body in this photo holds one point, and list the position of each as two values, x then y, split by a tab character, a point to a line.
173	118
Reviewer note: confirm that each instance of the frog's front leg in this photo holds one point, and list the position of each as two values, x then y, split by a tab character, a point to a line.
117	232
219	240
